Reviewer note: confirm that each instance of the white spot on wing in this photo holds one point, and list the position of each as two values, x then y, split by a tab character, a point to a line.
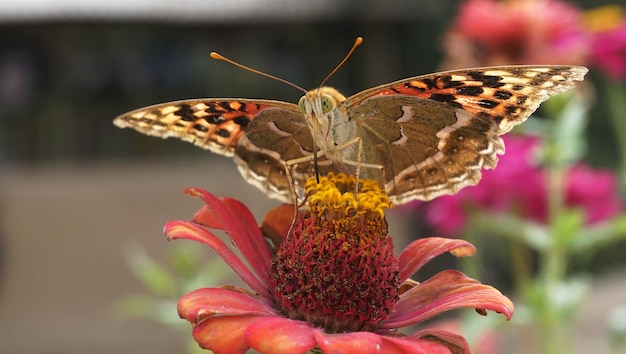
463	119
407	114
406	117
274	128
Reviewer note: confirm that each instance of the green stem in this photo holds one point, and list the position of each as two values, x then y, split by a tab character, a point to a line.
553	265
615	94
555	261
521	261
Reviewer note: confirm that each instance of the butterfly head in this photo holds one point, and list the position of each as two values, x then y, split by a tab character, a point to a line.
318	103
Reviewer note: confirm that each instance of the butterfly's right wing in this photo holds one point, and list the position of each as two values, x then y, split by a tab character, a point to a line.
259	134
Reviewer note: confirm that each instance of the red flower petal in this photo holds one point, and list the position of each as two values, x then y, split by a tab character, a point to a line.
251	242
181	229
353	342
421	251
207	218
280	335
408	345
449	289
440	335
277	222
238	222
224	334
206	302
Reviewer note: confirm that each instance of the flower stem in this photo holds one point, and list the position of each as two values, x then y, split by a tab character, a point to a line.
521	260
553	263
615	95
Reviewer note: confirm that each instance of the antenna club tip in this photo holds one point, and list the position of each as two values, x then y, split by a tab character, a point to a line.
358	40
217	56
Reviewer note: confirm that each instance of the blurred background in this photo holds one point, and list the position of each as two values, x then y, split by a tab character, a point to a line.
77	193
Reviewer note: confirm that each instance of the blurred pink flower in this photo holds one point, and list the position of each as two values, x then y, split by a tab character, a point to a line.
518	186
594	191
492	32
332	285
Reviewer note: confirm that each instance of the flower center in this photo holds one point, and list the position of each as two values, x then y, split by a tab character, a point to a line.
336	267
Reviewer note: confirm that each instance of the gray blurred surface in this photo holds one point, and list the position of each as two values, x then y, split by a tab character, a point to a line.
64	233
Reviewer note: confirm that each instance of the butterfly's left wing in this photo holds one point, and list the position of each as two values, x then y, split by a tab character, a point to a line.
433	133
214	124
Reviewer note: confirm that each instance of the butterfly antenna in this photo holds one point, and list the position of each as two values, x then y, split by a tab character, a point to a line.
217	56
357	42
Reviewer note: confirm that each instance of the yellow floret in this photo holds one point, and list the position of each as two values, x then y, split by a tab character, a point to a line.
336	192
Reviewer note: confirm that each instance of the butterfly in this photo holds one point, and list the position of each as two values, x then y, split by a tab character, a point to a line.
423	136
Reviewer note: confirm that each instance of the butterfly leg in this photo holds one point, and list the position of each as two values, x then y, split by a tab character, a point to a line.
358	163
292	185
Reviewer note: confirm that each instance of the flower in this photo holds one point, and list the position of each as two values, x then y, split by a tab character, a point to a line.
491	32
518	185
594	191
331	285
608	40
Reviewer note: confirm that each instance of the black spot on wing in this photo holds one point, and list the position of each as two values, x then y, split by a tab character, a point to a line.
200	128
541	78
488	103
185	113
511	110
487	80
214	119
243	107
442	97
242	121
223	133
445	98
226	106
502	95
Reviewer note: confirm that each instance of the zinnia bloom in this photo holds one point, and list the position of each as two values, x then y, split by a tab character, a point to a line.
331	282
492	32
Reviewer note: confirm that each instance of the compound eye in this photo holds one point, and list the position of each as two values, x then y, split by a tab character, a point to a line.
301	103
328	103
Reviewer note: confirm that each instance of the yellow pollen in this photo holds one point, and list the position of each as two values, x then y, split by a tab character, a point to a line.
336	193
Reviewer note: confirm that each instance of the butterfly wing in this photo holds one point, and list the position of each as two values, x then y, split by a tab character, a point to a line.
259	134
433	133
